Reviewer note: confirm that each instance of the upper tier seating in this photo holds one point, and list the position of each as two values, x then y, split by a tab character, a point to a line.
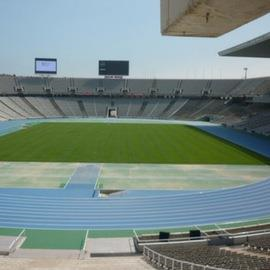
252	87
144	87
7	84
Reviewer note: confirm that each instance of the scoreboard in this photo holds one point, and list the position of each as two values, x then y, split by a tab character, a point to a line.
45	65
115	68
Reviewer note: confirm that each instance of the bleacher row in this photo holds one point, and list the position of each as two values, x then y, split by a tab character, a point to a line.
202	257
260	245
27	107
259	122
28	97
83	86
17	107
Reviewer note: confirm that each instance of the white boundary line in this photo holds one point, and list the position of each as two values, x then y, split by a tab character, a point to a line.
12	245
85	240
99	173
68	181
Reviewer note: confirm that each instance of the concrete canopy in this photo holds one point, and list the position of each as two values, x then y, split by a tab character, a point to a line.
208	18
258	47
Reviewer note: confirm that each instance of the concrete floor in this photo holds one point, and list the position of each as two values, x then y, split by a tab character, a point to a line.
115	263
111	246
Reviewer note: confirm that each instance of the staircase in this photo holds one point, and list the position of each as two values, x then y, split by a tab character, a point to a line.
142	109
26	101
82	108
56	106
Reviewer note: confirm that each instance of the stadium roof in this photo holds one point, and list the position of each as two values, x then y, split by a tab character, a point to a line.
208	18
258	47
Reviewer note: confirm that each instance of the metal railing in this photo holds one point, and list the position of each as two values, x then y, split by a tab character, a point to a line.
206	236
172	264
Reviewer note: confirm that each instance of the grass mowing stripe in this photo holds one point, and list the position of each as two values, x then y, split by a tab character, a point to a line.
122	143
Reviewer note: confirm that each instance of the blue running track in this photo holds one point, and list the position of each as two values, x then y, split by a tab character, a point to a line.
77	207
84	212
253	142
84	180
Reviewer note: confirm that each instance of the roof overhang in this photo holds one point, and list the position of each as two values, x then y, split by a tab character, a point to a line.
208	18
258	47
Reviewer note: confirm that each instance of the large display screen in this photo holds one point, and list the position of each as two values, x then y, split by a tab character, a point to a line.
46	65
120	68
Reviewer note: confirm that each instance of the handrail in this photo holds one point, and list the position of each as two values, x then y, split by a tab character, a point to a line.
175	261
136	235
209	236
221	229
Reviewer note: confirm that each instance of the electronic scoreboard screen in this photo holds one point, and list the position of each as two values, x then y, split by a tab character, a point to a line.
120	68
45	65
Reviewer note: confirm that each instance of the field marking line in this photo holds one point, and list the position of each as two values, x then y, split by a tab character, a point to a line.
75	170
99	173
12	245
85	240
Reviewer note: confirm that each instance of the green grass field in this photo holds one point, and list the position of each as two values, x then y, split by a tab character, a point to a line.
121	143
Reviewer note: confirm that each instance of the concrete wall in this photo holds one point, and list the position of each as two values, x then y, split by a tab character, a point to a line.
171	10
208	18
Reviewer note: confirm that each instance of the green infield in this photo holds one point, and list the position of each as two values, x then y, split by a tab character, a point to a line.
121	143
61	239
43	239
10	232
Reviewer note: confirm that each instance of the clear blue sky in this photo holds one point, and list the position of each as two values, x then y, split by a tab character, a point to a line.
80	32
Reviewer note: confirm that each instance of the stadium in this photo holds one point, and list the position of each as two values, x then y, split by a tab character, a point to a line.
140	173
